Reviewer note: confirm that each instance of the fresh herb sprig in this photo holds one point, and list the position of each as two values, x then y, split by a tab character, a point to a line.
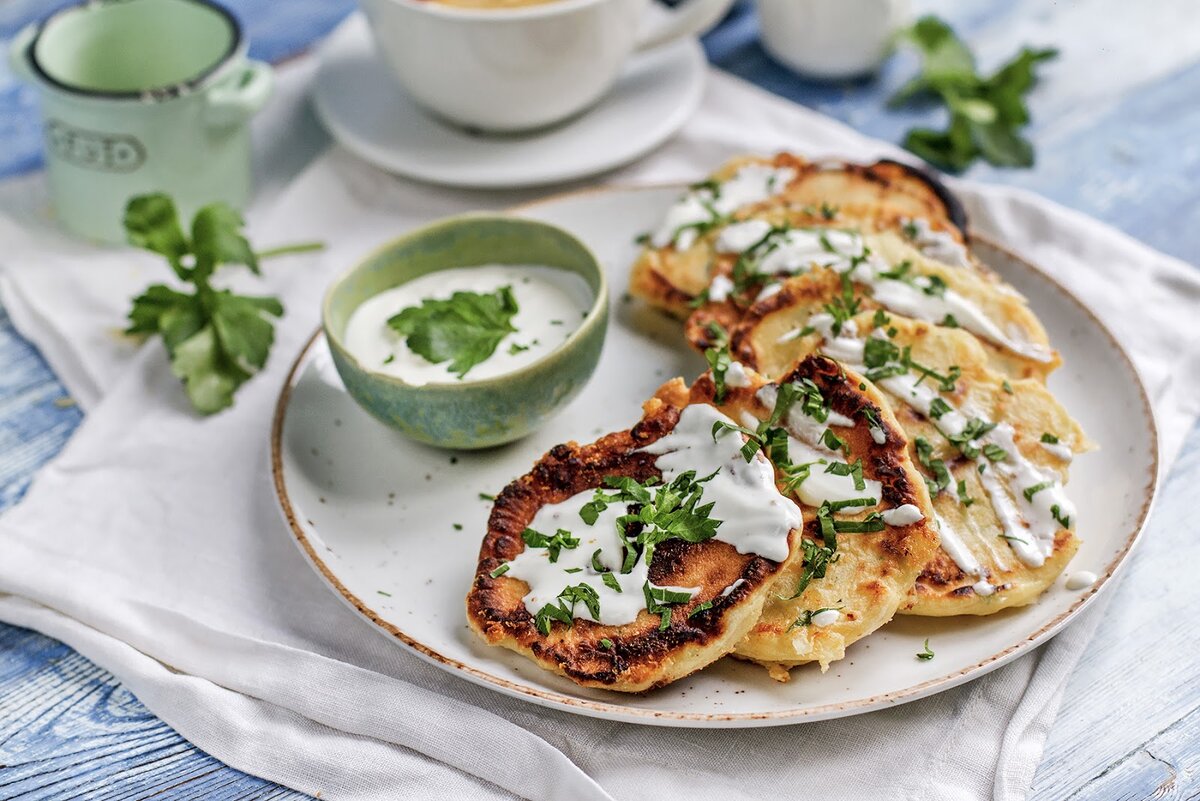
986	113
216	340
464	329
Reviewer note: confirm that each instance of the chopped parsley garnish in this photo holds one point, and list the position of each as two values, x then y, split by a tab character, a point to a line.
963	497
668	511
934	286
936	467
563	607
994	452
573	570
927	654
873	425
832	441
1049	438
606	643
939	407
911	230
458	527
463	330
878	352
718	359
817	559
973	430
391	357
845	305
659	601
828	211
806	617
561	539
1059	517
611	581
515	348
704	607
384	593
483	496
1007	387
949	321
852	470
880	319
1029	492
501	570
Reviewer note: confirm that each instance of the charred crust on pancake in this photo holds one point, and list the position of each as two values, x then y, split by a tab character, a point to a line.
955	211
639	649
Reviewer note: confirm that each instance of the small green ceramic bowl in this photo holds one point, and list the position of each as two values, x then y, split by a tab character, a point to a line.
470	414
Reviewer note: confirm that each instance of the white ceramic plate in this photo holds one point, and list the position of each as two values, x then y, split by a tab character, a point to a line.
379	516
367	112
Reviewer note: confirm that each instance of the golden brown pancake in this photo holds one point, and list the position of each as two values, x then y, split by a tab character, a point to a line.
866	576
643	654
969	515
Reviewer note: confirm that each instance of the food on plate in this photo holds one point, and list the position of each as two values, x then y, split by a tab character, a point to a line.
642	557
792	221
873	436
695	549
467	323
993	451
868	526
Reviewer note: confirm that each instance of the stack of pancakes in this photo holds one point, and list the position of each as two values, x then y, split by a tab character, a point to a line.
786	270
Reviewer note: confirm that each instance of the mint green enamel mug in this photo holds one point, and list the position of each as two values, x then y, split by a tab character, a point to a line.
142	96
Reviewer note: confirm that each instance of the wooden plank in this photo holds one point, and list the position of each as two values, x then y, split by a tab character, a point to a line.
1135	680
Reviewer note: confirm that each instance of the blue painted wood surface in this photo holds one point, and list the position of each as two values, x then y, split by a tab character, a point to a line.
1115	127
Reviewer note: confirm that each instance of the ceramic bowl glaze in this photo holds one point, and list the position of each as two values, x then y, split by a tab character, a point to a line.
470	414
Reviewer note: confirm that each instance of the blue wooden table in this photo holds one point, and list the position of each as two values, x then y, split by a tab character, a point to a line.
1117	131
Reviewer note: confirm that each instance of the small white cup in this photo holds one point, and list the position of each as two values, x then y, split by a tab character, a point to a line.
517	69
830	39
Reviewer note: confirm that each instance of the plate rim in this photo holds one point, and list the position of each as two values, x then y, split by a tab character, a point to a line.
689	102
618	711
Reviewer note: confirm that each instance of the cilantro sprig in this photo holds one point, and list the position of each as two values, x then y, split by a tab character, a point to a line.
216	340
987	113
464	329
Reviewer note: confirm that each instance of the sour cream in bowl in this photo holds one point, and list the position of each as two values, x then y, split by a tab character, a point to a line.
470	332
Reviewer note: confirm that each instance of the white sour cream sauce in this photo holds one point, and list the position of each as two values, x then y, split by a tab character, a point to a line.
798	250
752	183
551	305
1029	523
756	519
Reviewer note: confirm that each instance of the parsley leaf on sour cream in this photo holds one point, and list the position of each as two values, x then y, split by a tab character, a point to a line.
463	330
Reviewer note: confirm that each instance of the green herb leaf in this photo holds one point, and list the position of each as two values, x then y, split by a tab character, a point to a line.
926	654
463	330
216	340
1049	438
1029	492
986	113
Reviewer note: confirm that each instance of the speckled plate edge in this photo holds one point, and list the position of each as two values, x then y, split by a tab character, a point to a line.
618	711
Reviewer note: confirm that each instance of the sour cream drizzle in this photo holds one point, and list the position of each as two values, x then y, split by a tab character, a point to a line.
704	204
756	519
938	245
798	250
1030	522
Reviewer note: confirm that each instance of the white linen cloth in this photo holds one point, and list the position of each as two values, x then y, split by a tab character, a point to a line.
152	544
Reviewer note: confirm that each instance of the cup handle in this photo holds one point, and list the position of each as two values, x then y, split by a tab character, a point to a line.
689	18
18	52
236	98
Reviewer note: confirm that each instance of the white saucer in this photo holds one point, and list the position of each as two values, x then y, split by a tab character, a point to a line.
369	114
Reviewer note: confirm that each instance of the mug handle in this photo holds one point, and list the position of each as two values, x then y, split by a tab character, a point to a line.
18	52
239	96
690	18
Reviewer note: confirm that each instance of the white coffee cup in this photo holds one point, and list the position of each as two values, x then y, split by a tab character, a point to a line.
524	67
830	39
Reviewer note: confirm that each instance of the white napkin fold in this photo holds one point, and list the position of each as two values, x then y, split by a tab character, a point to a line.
152	544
